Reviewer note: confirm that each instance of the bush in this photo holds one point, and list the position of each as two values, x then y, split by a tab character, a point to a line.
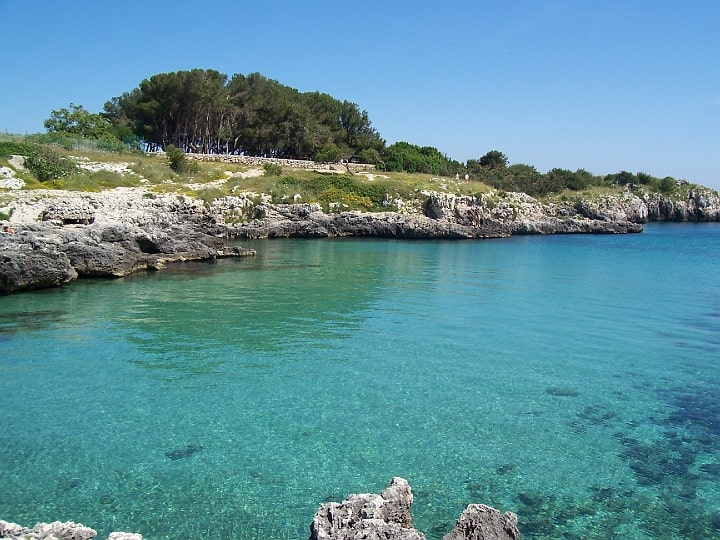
45	164
9	148
272	169
178	161
667	184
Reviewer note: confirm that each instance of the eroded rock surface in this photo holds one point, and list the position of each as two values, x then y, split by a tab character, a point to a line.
387	517
57	530
59	236
56	237
481	522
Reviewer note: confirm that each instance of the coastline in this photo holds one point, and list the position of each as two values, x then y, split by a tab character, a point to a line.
53	237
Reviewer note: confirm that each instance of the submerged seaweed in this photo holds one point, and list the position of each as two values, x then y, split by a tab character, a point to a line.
180	453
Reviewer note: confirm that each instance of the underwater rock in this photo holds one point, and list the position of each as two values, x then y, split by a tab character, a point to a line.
180	453
124	536
562	391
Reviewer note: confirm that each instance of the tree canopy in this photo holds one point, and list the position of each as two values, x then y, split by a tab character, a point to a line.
403	156
78	121
203	111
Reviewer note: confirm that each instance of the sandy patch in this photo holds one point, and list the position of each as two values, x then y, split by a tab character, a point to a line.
373	176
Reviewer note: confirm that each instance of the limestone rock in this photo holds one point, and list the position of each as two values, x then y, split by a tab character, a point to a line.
47	531
69	211
124	536
57	530
8	180
368	516
25	264
387	517
481	522
123	230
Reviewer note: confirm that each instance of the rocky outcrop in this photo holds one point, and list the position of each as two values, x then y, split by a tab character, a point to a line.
368	516
694	204
55	240
481	522
57	531
41	256
308	220
25	264
387	516
446	216
64	235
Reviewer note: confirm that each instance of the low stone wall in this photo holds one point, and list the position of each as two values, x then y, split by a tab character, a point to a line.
254	161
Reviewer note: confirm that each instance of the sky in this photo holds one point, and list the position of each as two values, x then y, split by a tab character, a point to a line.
605	86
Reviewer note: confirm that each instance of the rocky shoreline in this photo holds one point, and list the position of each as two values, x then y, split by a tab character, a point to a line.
364	516
53	237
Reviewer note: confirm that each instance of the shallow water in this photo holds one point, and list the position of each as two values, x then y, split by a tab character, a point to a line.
574	380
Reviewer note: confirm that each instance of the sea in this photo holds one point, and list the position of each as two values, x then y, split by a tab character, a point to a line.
573	380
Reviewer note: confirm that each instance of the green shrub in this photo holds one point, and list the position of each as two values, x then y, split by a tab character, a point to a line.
178	161
328	153
9	148
667	185
272	169
46	165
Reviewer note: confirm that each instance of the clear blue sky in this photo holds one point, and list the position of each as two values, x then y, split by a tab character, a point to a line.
604	85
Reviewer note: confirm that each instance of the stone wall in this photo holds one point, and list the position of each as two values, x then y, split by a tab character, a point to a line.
290	163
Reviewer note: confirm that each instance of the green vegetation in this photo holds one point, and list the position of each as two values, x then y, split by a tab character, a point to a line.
403	156
272	169
56	166
42	161
178	161
47	164
204	111
493	170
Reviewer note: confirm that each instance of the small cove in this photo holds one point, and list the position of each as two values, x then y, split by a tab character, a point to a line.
573	380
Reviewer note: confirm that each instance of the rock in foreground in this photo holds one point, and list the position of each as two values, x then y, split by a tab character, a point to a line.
57	530
480	522
387	517
55	238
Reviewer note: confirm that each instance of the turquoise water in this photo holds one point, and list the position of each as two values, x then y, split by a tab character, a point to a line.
574	380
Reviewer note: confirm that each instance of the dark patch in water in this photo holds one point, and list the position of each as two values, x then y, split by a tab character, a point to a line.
593	416
562	391
180	453
711	468
68	483
699	409
505	468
